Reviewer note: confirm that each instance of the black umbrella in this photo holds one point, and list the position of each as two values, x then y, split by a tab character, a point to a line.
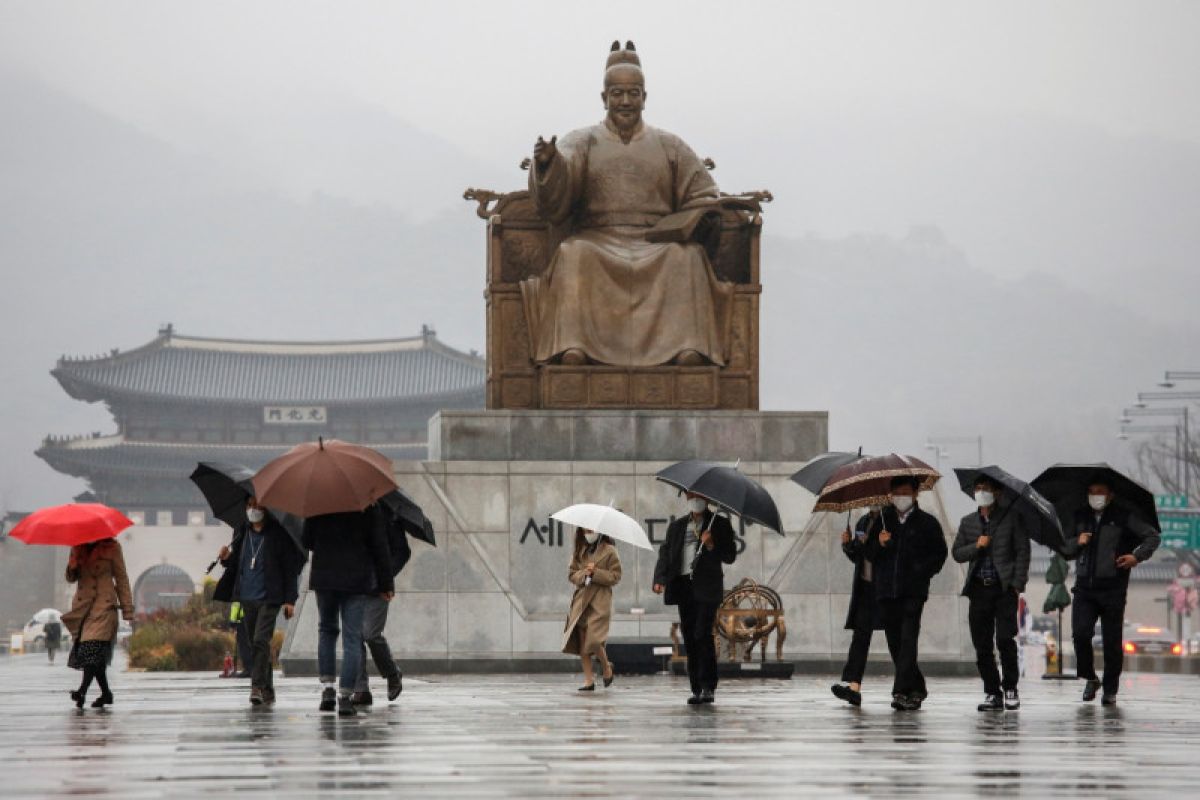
226	487
815	474
1041	518
728	488
409	516
1066	486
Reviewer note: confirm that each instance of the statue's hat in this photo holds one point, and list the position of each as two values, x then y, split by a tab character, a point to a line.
619	56
622	55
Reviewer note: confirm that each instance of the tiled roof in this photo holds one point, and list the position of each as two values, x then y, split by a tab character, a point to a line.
87	456
228	370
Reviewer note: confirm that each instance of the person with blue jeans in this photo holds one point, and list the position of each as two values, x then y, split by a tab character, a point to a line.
350	563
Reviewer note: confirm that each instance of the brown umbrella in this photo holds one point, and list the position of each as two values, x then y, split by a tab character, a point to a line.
867	481
324	477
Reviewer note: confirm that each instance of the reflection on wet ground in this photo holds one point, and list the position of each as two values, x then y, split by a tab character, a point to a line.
534	736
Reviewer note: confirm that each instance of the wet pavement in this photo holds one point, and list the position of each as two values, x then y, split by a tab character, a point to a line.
189	735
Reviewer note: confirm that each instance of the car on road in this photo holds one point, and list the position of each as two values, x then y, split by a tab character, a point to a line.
34	635
1150	640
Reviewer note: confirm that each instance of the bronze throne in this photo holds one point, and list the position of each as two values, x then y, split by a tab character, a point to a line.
520	244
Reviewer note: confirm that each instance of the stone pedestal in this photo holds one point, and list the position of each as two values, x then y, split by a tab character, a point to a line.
772	436
494	594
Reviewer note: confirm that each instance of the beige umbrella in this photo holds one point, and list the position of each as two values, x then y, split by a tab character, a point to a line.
324	477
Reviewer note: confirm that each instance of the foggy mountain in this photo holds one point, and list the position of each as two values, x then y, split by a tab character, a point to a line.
107	232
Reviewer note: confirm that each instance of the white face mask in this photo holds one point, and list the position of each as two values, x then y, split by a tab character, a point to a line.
984	498
1097	501
902	502
255	515
592	537
697	505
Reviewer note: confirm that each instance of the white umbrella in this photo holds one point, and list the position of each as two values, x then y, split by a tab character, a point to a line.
606	520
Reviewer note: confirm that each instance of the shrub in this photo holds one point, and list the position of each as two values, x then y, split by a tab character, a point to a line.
161	659
199	649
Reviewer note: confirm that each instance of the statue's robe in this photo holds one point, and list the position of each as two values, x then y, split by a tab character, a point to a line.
608	292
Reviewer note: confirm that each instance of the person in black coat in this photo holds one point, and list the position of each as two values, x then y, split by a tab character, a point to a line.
863	615
262	572
905	555
689	575
1109	542
350	561
52	631
994	542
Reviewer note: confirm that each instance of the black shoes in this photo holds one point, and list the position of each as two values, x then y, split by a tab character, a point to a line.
256	696
362	699
993	702
395	685
707	696
694	700
1108	700
608	681
591	687
106	698
844	692
1089	690
268	696
345	706
328	700
78	697
1012	700
911	702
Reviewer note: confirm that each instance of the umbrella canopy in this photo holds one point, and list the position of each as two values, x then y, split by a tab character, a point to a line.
816	473
1042	523
728	488
1065	485
606	520
227	487
867	481
409	516
1058	597
71	524
324	477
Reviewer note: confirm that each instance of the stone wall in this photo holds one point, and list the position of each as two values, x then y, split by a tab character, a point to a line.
494	593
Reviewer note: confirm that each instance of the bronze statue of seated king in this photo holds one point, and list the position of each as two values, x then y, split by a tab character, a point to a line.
622	278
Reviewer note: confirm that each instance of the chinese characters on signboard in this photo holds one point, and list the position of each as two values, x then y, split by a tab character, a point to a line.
294	415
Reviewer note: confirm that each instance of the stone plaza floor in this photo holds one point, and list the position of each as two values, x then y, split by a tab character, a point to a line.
194	735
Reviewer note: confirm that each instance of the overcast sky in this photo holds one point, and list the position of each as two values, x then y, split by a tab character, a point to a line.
1056	143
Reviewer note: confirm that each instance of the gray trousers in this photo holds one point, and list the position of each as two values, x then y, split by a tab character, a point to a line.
375	612
259	621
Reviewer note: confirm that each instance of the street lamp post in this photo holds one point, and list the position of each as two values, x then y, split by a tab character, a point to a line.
1187	442
938	455
938	441
1180	438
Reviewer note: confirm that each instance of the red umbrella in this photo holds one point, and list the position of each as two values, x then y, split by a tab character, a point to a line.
867	481
324	477
71	524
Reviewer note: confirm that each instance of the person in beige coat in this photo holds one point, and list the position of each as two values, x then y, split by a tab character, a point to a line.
595	569
99	569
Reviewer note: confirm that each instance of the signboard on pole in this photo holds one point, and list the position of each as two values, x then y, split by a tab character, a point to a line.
1180	531
1170	501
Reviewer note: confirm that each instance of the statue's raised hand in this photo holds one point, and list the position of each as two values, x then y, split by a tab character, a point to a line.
543	151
